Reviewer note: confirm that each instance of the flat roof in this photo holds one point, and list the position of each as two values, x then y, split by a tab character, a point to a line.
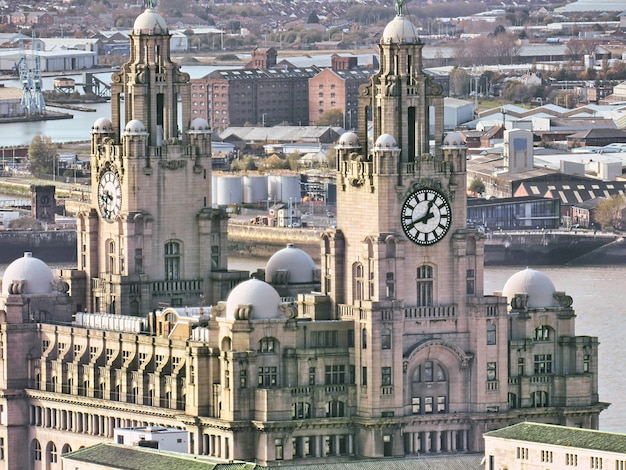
563	436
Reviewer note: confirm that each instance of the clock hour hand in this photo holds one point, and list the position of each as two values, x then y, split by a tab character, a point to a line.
427	216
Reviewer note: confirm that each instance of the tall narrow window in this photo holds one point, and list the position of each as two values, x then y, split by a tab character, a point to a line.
111	256
358	281
391	286
385	338
386	376
491	333
424	286
469	281
172	260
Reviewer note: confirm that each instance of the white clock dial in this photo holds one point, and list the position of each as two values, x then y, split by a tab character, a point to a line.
426	216
109	195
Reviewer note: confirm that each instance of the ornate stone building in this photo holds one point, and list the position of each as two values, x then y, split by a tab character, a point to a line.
152	237
391	349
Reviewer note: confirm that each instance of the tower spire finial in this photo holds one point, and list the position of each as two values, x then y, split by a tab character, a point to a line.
399	7
150	4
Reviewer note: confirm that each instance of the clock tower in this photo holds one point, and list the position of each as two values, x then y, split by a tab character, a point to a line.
151	237
402	263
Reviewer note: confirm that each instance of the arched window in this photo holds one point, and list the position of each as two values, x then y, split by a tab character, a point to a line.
424	286
385	338
52	452
172	260
539	399
300	410
357	274
390	248
36	450
542	333
335	409
110	244
429	388
268	345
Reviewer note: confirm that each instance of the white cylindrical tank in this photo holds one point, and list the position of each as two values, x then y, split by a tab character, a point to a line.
283	187
290	185
254	188
229	190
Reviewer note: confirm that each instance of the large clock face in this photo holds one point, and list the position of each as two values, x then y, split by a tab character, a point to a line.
109	195
426	216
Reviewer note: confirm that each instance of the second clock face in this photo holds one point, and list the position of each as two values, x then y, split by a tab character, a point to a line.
109	195
426	216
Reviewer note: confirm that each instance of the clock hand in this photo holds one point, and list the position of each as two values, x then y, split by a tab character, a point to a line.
427	216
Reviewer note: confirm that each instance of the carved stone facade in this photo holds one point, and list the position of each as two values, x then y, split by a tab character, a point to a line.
391	349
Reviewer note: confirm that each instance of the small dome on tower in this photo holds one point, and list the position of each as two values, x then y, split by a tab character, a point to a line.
453	139
33	274
535	284
400	31
134	126
102	126
262	297
348	140
199	125
295	261
385	141
150	22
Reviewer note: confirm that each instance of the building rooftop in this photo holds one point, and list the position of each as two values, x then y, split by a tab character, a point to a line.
563	436
117	456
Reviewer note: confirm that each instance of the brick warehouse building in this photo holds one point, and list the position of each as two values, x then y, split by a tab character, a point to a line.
268	93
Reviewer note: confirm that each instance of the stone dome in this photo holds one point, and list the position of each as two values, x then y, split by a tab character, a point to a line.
199	125
260	295
35	275
102	126
400	31
453	139
134	126
293	260
348	139
150	22
535	284
385	141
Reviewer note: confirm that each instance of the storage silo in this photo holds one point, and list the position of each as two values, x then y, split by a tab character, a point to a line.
255	189
290	187
229	190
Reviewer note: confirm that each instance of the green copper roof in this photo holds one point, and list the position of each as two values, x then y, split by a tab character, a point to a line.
563	436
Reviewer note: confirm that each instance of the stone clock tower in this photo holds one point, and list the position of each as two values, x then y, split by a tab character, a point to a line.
151	237
402	263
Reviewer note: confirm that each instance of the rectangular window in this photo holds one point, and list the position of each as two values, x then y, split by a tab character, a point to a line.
520	366
546	456
543	363
311	375
428	404
386	376
596	462
325	339
491	371
335	374
469	282
571	460
363	375
278	449
268	377
350	338
441	404
522	453
416	405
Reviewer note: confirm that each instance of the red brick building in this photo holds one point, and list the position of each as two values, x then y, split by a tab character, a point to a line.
337	88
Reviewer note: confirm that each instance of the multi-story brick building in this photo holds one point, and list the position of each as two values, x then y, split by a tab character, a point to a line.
337	88
253	96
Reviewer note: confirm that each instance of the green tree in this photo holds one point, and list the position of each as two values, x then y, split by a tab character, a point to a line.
41	155
610	212
243	164
477	186
332	117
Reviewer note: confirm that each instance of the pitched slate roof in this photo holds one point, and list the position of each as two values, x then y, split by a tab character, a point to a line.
571	192
563	436
115	456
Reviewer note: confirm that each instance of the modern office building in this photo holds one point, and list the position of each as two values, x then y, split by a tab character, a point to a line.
389	349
